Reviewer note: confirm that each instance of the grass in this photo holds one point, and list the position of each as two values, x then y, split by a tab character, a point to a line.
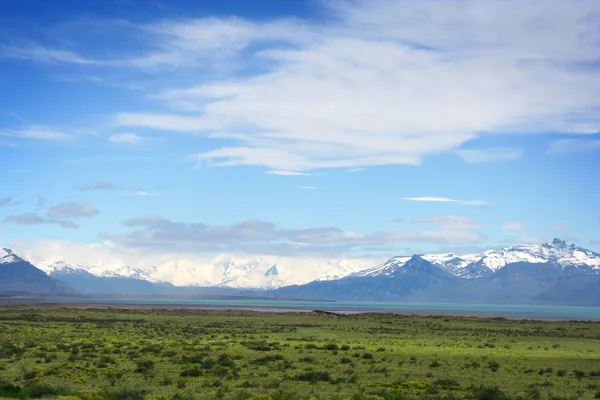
69	353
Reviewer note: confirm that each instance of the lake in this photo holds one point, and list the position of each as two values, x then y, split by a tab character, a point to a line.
494	310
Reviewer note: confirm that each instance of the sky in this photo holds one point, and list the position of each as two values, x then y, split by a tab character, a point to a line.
311	130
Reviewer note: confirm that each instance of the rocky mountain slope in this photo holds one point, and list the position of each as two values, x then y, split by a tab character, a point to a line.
18	275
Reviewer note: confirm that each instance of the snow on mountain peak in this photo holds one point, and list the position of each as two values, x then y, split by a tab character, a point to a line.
556	251
7	256
269	273
273	271
480	265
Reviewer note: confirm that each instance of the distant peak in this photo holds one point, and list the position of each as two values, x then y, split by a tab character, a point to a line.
272	271
417	258
7	256
558	242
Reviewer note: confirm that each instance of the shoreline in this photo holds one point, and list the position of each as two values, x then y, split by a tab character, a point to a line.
327	310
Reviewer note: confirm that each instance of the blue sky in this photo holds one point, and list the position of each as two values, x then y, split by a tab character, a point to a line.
308	129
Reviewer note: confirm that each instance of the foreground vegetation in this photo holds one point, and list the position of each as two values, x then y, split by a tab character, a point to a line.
73	353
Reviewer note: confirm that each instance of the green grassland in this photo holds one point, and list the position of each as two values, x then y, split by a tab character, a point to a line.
51	351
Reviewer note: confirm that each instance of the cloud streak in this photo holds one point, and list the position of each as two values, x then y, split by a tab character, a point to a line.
125	138
433	199
35	219
36	132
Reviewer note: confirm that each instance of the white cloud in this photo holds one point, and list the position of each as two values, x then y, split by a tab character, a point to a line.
310	187
287	173
431	199
568	146
473	156
141	192
127	138
514	226
449	222
36	132
381	82
387	85
560	227
39	53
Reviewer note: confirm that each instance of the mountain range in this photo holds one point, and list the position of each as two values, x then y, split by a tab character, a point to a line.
554	272
550	273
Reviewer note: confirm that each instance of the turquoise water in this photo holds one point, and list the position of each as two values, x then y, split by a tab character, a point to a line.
504	310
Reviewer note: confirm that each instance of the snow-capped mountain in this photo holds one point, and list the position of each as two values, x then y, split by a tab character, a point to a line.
109	269
549	273
273	273
251	273
473	266
18	275
556	251
7	256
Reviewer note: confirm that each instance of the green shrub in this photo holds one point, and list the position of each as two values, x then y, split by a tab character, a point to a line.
191	372
124	394
488	393
313	376
144	366
494	366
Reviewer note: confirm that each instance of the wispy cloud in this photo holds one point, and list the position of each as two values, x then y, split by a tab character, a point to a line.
310	187
141	192
568	146
36	219
126	138
287	173
474	156
43	54
361	90
431	199
36	132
